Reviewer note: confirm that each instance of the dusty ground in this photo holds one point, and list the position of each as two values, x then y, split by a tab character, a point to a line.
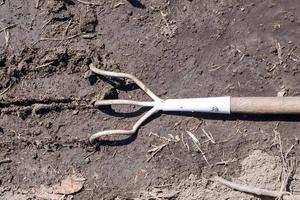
179	49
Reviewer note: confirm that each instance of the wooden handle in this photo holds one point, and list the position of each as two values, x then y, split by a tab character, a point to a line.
265	105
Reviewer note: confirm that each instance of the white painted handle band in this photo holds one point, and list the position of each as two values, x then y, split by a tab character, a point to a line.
208	105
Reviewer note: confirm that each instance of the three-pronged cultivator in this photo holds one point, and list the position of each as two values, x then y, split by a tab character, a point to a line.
221	105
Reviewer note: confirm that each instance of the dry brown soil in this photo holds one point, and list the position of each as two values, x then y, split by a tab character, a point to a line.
179	48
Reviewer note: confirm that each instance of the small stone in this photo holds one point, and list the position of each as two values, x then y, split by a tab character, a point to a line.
21	66
268	75
87	160
281	93
129	12
88	74
89	36
88	22
35	156
48	125
75	112
99	44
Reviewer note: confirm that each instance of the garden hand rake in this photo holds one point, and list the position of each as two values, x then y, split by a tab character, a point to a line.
217	105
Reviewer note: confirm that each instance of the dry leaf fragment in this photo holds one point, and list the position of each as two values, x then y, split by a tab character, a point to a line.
70	185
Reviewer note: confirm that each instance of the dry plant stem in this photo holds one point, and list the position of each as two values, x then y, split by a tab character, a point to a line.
8	27
66	31
118	4
165	139
254	190
279	51
209	136
215	68
197	143
6	160
89	3
286	172
44	65
156	150
7	37
5	90
56	39
185	143
37	4
290	149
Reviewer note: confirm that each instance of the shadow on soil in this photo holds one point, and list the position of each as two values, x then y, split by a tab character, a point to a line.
136	4
232	117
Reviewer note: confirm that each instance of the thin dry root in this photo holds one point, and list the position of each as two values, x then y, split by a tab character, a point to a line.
197	144
256	191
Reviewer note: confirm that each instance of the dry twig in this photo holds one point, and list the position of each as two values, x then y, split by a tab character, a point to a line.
209	136
118	4
6	160
197	144
185	143
5	90
288	166
166	142
226	162
8	27
37	4
44	65
57	39
89	3
215	68
295	58
7	37
66	30
279	52
256	191
155	150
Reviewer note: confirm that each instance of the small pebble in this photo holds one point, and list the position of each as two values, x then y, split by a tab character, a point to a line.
75	112
89	36
48	125
88	74
129	12
87	160
35	156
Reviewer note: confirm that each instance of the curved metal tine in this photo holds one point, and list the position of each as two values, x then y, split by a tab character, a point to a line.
125	75
124	102
124	132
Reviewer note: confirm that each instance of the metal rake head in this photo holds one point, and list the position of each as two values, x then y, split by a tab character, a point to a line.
219	105
154	104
